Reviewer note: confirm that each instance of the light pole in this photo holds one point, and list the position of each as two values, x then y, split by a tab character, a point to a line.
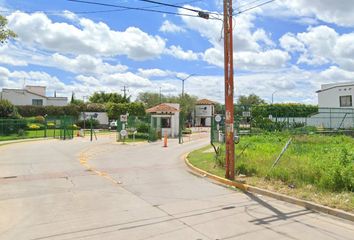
184	79
181	117
273	96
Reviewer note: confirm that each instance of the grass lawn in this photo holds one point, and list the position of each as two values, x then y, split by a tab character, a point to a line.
315	167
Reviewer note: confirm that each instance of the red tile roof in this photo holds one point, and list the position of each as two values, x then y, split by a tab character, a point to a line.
162	108
205	102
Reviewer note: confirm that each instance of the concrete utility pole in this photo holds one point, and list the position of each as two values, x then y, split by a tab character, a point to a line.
229	91
125	90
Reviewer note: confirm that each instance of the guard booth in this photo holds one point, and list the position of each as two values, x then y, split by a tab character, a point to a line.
165	119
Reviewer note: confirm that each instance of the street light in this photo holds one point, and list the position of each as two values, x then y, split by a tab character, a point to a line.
181	118
184	79
273	96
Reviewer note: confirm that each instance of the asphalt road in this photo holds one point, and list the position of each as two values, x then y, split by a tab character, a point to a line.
102	190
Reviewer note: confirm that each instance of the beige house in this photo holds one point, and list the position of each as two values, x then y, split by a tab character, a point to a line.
32	95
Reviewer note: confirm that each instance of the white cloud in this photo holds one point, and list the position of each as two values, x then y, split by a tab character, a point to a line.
253	47
321	45
85	64
178	52
91	38
169	27
155	72
339	12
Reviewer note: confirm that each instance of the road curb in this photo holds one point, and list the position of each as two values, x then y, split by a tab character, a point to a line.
23	141
247	188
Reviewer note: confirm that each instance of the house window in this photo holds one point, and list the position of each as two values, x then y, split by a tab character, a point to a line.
37	102
166	122
346	101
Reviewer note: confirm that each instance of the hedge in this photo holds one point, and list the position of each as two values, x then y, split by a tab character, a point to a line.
30	111
114	110
284	110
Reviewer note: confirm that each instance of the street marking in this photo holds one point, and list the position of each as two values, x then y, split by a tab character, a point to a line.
83	159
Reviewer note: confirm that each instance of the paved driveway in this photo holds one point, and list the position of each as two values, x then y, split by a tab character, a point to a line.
102	190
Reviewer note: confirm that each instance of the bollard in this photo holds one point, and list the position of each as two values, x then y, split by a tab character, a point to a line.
165	140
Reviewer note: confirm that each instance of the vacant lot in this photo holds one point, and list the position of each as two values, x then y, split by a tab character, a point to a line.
314	167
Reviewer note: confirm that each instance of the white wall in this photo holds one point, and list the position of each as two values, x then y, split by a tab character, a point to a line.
57	101
203	111
102	117
330	98
21	97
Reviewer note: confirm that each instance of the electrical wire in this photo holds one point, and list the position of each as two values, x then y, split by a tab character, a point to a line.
251	8
94	12
133	8
247	4
170	5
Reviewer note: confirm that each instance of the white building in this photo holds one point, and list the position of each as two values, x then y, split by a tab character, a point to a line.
204	111
336	95
32	95
165	117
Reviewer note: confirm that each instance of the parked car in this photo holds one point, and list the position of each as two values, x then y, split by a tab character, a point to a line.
112	125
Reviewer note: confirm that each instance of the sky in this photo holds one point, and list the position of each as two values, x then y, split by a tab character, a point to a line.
286	48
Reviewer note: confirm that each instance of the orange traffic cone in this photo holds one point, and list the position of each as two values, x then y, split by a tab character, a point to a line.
165	140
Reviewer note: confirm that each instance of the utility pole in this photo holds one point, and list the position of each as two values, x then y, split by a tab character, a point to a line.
125	90
160	96
229	91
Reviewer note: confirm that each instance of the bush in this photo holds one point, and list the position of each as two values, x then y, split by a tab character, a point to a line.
8	110
95	123
39	119
143	128
31	111
187	131
33	126
114	110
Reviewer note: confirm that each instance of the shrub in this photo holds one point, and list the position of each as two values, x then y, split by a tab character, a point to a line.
31	111
95	123
187	131
39	119
143	128
8	110
114	110
33	126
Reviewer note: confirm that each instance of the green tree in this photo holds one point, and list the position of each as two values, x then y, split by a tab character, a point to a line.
102	97
5	33
251	99
150	99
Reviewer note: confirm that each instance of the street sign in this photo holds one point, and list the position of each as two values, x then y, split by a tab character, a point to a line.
123	133
218	118
124	118
246	114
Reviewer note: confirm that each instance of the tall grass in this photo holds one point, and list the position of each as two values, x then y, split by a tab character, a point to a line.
324	161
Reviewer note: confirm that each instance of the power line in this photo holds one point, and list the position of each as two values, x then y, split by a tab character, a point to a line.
251	8
247	4
134	8
170	5
96	11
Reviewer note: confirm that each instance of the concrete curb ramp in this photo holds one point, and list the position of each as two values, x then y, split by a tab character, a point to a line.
247	188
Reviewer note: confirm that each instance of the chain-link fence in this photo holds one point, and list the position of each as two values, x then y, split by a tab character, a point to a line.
37	127
259	119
